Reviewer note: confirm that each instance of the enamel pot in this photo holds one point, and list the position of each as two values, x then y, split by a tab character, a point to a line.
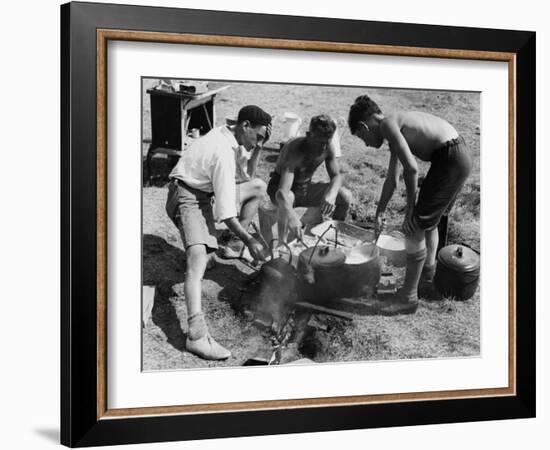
457	273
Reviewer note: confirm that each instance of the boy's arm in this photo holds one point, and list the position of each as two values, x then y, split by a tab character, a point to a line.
388	188
253	161
256	249
283	196
333	170
223	182
398	145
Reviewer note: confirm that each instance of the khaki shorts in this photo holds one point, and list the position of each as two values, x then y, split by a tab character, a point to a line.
191	211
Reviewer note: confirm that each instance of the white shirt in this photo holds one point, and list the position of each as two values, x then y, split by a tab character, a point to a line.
209	165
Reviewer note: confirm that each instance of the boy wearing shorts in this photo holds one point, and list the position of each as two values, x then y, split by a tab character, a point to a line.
429	138
209	168
291	184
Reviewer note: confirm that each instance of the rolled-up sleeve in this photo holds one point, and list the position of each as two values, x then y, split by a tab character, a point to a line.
223	182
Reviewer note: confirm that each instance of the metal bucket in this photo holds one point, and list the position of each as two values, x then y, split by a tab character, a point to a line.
392	246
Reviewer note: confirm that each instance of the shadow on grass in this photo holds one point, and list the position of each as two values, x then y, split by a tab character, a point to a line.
237	287
164	267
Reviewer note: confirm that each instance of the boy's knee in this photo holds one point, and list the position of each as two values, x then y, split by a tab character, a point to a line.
280	197
259	187
196	258
415	241
345	196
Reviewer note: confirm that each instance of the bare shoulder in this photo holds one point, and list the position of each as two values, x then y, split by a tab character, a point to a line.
391	124
291	152
411	118
295	144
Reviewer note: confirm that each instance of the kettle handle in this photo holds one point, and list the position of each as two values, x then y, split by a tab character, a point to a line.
285	244
321	237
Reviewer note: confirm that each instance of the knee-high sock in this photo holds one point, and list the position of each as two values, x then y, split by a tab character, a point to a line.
428	273
415	262
197	326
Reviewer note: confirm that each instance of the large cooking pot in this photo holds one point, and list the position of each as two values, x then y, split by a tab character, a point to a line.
327	276
320	268
457	273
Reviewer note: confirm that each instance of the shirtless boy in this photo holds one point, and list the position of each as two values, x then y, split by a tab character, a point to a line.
429	138
290	184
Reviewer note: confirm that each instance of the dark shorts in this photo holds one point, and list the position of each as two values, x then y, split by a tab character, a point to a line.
305	194
191	211
312	194
450	166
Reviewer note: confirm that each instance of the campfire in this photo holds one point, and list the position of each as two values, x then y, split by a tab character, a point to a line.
302	281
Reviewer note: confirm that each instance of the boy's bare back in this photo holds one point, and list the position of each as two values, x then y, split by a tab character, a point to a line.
423	132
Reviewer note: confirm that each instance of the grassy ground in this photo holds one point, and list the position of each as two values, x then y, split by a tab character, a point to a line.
438	329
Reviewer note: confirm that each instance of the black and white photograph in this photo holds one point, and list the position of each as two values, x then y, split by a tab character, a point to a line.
307	224
275	225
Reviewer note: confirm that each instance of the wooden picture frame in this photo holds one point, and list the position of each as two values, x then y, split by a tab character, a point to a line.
85	417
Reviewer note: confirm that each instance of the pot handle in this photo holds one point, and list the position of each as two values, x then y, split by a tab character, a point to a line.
287	247
469	246
321	237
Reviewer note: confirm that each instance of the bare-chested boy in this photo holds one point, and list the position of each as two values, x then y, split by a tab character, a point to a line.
291	183
428	138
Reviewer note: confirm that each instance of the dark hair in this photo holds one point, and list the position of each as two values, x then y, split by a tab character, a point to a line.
255	115
362	109
322	124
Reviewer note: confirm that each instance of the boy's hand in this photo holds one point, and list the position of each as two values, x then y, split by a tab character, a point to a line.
379	222
295	226
256	249
327	207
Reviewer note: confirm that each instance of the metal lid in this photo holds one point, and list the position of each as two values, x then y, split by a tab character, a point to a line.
459	258
324	256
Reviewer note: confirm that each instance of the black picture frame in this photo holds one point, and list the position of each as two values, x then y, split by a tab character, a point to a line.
81	423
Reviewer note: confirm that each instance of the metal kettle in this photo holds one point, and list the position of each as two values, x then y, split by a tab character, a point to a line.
279	286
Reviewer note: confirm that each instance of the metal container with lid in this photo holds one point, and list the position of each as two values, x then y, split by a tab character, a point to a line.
457	273
327	276
324	256
316	261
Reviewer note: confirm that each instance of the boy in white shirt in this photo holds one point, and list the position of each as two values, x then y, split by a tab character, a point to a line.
207	169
